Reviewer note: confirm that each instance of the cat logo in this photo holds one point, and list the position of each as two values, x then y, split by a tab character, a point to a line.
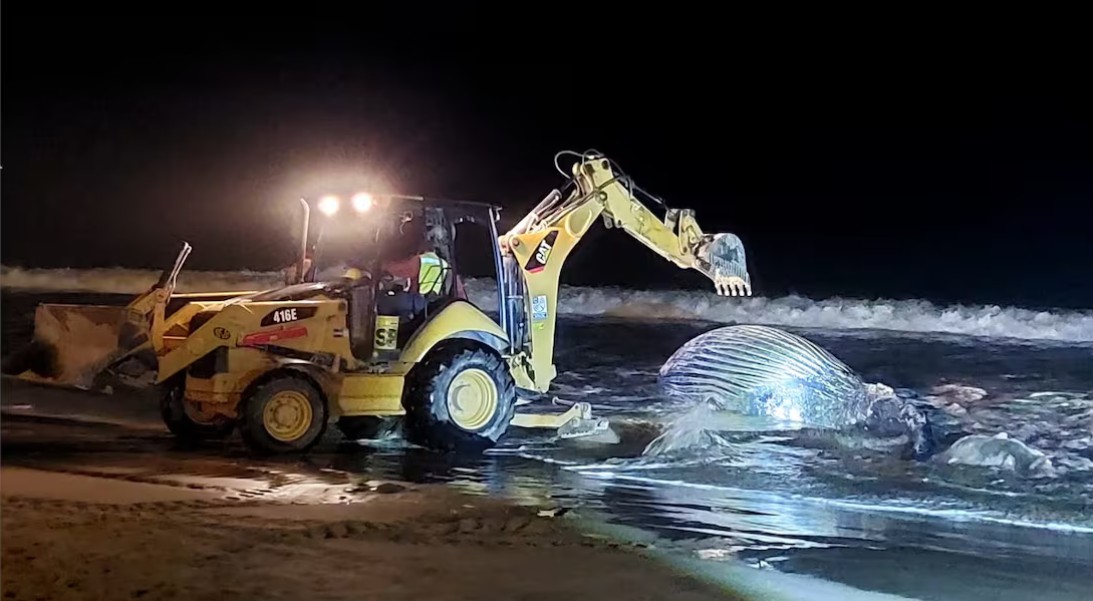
543	253
538	261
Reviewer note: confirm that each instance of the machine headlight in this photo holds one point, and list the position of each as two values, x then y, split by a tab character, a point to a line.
329	205
362	202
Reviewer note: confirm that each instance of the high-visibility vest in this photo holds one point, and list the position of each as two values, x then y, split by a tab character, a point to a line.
431	273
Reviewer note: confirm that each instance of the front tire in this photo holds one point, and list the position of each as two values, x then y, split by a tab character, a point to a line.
185	423
459	399
284	415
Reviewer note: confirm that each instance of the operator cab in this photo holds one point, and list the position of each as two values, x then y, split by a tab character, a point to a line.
395	265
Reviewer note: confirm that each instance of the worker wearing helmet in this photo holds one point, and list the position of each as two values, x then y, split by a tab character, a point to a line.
411	260
419	271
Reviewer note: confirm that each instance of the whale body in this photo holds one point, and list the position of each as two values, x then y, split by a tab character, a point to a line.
766	372
789	382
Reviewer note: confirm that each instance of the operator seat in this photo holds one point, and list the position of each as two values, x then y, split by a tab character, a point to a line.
427	305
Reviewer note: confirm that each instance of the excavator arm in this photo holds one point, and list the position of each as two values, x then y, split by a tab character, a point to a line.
539	244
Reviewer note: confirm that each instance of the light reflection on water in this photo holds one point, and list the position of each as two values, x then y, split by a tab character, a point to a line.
853	516
828	512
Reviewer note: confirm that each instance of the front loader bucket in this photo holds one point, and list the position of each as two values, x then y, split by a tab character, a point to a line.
93	346
74	343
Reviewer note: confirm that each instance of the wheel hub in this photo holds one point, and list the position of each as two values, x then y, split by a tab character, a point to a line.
287	416
196	413
472	399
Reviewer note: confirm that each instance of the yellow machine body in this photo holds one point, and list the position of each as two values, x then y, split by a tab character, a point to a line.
225	347
234	345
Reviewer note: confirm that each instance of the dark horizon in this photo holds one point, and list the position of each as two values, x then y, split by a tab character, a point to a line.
949	159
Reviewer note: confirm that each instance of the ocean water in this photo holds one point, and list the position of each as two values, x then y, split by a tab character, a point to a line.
775	513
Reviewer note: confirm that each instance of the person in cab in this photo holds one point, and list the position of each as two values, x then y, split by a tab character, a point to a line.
418	274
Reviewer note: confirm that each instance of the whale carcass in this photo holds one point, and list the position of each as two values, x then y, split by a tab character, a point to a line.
788	382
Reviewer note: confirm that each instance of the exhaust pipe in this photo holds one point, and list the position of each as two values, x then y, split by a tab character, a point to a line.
301	266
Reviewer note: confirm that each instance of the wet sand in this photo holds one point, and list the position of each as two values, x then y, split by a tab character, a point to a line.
93	511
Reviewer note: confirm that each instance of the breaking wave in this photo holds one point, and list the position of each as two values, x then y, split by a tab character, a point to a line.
118	280
789	311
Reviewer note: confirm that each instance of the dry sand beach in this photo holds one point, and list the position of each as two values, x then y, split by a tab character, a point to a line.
94	511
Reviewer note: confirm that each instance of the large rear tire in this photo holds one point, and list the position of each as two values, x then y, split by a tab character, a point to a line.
283	415
185	423
459	399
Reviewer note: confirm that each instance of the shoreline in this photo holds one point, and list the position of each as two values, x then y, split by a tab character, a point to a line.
114	523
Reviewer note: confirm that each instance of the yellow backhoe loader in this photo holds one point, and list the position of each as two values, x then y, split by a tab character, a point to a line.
377	342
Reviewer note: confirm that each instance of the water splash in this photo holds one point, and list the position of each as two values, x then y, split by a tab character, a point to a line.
690	432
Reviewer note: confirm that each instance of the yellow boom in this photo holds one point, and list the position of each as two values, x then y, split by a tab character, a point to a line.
543	239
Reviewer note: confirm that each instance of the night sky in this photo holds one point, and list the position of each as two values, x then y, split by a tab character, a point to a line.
929	154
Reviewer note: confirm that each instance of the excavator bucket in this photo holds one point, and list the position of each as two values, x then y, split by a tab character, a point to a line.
73	343
721	258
